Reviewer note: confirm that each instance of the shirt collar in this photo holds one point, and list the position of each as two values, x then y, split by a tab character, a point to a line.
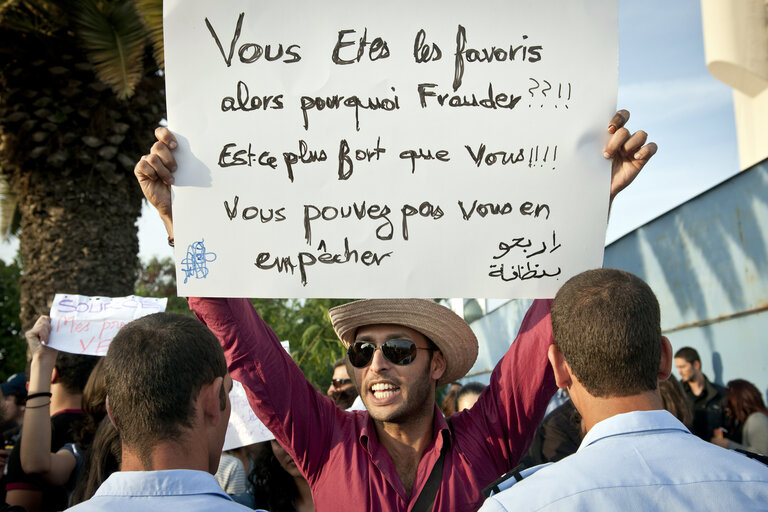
68	411
370	441
632	423
172	482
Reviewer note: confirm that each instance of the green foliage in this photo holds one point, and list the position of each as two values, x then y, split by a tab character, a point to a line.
157	278
304	323
152	13
113	33
114	36
13	356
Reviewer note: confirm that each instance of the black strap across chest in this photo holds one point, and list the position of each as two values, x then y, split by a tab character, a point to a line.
426	500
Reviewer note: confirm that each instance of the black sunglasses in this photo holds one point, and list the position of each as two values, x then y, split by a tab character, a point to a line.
337	383
399	352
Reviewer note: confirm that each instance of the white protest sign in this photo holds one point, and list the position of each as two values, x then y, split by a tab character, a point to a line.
86	325
384	149
244	426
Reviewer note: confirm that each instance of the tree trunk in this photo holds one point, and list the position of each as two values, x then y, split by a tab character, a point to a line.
78	236
67	148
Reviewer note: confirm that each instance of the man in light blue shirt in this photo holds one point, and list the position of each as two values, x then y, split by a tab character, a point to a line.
168	395
610	354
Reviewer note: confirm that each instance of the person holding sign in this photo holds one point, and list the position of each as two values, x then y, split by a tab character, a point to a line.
401	453
41	464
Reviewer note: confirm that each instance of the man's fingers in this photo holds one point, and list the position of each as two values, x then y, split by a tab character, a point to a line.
165	136
635	142
45	328
616	141
38	333
646	152
153	168
41	329
162	150
618	120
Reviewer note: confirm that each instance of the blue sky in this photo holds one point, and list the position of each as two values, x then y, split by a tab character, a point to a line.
664	82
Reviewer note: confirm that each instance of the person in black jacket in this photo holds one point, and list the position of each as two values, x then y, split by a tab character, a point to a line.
706	398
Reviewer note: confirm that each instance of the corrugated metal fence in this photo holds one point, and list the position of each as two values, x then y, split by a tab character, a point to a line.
707	261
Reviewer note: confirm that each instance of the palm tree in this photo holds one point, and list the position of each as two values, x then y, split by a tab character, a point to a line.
80	94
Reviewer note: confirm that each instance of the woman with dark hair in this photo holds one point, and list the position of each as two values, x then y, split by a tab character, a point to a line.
101	460
60	468
745	406
673	397
79	467
277	483
468	395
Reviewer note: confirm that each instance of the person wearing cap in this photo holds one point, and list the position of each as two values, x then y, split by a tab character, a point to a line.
400	453
61	401
15	396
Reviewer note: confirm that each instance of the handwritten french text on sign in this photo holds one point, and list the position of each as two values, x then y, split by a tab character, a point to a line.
360	148
86	325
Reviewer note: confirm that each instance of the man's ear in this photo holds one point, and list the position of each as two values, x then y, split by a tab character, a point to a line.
210	401
54	376
665	365
559	367
438	365
109	412
697	365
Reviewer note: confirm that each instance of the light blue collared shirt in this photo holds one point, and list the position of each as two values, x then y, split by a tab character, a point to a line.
177	490
641	461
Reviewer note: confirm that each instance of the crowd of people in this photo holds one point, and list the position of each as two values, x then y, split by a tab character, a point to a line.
143	427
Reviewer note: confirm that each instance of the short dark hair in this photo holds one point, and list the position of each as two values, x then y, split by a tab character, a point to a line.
73	371
342	361
154	369
689	354
606	323
473	388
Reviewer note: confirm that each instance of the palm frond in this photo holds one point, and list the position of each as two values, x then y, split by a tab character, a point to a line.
33	16
152	13
113	36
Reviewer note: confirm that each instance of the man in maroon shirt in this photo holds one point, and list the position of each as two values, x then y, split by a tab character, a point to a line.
382	458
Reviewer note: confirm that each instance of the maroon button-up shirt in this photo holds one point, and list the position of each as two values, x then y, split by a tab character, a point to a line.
339	452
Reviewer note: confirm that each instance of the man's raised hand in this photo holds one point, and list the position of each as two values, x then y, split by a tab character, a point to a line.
628	151
155	174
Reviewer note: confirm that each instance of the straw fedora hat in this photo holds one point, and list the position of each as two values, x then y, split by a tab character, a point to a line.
446	329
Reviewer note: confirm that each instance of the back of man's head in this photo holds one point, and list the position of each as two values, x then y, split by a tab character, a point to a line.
689	354
154	370
73	370
606	323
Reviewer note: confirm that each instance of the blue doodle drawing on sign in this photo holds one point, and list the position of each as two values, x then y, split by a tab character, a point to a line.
194	265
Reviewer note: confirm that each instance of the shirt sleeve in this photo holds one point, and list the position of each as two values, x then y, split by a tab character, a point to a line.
231	475
501	425
492	505
15	477
300	418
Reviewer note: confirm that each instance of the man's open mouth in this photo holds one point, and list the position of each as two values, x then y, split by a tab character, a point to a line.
383	390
